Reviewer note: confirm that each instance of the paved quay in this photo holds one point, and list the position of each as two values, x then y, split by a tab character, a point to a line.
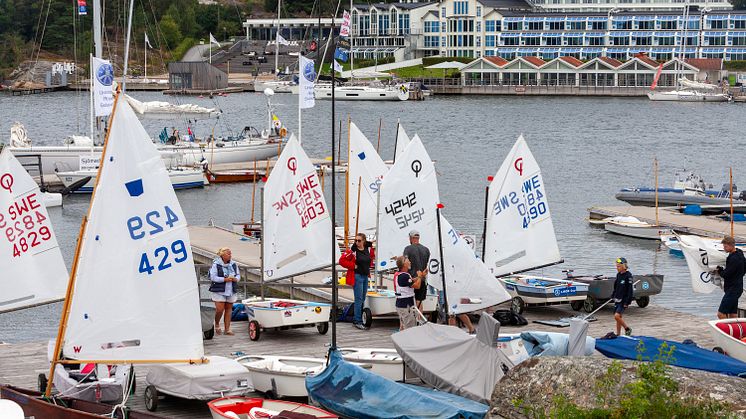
21	363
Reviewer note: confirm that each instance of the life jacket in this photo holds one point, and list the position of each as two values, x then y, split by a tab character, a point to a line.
402	292
219	287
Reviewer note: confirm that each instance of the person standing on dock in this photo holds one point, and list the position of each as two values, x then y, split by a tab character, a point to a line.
224	276
404	287
419	257
622	295
364	255
732	275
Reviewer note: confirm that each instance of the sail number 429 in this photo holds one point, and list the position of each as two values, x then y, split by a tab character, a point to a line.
161	257
151	224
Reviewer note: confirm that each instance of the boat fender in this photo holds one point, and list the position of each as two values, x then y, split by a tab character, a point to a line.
283	132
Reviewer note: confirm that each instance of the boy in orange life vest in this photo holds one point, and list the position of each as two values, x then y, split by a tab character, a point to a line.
404	286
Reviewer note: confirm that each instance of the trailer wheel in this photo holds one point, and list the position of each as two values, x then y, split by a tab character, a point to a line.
151	398
589	304
367	316
322	327
643	302
577	304
517	305
718	350
209	334
41	381
254	330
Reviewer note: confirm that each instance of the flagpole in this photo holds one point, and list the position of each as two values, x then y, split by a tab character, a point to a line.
210	52
300	99
334	232
146	57
277	37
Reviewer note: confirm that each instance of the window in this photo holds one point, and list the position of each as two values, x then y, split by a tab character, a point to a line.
739	38
479	26
532	41
556	26
364	25
598	26
740	56
383	24
553	40
739	22
355	22
460	7
624	24
443	12
431	42
479	41
666	40
373	22
619	40
643	40
431	27
576	26
514	26
404	24
492	25
718	24
510	40
715	39
669	24
535	26
574	40
479	11
489	41
646	24
594	40
443	27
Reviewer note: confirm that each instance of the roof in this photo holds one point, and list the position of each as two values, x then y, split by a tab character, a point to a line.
610	61
647	60
572	61
506	4
705	63
498	61
538	62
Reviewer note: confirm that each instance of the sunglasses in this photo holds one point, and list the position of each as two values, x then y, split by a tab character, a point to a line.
358	241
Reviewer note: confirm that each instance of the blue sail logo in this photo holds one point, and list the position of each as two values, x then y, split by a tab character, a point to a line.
134	187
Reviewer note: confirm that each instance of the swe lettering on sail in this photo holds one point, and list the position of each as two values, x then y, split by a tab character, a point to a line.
24	224
306	198
530	202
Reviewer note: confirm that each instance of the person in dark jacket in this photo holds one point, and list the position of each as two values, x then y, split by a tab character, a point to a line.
732	275
364	255
622	295
419	257
224	276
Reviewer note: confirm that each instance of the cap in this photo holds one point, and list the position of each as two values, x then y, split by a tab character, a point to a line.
623	261
414	233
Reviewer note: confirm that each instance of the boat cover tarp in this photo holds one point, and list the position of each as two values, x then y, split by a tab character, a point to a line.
684	355
221	377
451	360
552	344
352	391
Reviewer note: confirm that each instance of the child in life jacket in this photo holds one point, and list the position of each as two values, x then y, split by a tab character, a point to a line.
404	286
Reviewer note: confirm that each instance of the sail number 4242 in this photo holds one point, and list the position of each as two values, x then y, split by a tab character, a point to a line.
151	224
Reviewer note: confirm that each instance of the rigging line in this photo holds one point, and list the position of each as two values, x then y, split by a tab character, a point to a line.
38	27
41	41
75	61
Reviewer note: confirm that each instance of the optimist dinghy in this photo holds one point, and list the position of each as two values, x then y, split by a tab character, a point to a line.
384	362
255	408
730	337
281	376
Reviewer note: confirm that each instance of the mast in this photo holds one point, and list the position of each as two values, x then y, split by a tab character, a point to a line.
127	46
655	168
347	186
98	47
396	139
731	202
352	40
277	37
486	208
442	263
335	281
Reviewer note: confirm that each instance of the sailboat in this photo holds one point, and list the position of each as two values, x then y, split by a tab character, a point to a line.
519	234
633	227
29	247
686	90
365	171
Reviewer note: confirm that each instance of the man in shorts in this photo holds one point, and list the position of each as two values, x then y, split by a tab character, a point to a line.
622	295
732	276
419	257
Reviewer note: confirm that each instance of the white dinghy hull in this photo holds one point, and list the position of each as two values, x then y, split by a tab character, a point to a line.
281	376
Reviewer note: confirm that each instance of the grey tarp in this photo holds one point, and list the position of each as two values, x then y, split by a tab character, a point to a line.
578	334
449	359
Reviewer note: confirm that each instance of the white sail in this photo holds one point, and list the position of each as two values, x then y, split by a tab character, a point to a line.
297	224
367	168
136	295
520	234
703	256
470	286
33	271
402	141
165	110
409	200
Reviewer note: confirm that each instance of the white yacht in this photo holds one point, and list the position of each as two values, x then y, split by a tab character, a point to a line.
374	90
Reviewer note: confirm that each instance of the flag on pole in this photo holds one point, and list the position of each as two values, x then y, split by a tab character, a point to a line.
103	92
337	66
147	41
214	41
306	79
281	40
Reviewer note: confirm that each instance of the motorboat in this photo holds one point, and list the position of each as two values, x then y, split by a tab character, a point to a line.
539	291
220	377
278	86
372	91
256	408
688	188
181	178
730	337
281	376
633	227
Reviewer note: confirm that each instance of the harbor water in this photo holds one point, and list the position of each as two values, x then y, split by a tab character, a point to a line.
588	148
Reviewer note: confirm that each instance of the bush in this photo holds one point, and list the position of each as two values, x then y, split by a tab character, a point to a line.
652	395
735	65
182	48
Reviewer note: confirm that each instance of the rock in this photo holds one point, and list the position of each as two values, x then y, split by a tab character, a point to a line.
538	380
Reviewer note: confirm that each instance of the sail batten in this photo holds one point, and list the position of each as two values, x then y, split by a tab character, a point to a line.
135	295
519	234
34	272
296	219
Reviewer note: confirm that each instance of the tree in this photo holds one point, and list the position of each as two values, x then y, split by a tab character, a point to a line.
170	30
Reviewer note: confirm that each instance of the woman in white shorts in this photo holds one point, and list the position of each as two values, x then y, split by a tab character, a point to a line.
224	276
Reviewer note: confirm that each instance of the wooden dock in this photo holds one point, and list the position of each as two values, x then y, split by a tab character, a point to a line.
21	363
701	225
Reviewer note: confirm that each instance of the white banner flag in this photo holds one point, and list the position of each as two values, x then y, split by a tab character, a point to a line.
306	79
337	66
147	41
281	40
103	78
345	29
214	41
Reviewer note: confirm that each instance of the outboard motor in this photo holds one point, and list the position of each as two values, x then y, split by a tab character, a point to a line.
742	196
